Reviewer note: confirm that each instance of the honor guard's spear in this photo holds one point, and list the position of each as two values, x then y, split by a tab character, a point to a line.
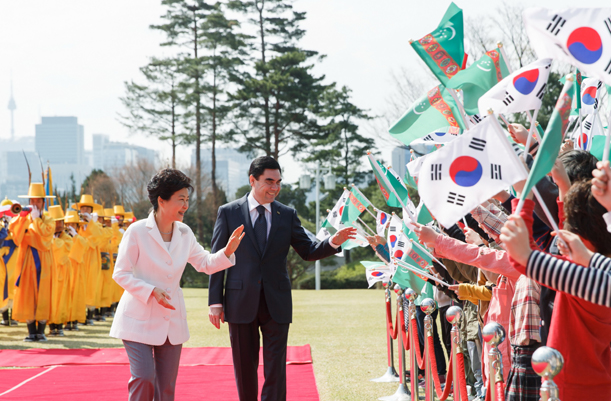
29	171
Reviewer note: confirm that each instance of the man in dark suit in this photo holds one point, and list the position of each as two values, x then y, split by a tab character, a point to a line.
256	292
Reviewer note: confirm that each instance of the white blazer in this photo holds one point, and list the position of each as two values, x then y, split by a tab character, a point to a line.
144	263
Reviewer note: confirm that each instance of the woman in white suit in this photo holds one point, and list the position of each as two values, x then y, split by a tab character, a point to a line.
151	317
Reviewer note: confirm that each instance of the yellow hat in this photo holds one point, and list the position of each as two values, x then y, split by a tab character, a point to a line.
109	212
99	209
36	191
72	217
119	211
6	202
86	200
129	216
56	212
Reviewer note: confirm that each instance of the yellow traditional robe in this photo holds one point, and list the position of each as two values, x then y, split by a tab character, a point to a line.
92	262
114	242
8	254
77	310
60	287
34	237
106	289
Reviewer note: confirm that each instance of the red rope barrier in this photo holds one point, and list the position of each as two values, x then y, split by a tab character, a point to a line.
441	394
404	330
414	333
392	331
500	391
414	373
462	378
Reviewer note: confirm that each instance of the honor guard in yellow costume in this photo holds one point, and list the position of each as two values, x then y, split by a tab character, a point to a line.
117	290
105	286
120	215
77	309
8	254
91	230
60	288
33	234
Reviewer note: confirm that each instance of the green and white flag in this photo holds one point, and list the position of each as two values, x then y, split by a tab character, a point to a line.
432	112
552	140
393	189
479	78
355	205
443	50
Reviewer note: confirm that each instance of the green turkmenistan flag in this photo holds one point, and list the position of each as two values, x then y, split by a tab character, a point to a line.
479	78
443	50
552	140
435	110
424	216
355	205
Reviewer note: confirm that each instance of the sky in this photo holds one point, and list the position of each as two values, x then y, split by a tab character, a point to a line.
72	57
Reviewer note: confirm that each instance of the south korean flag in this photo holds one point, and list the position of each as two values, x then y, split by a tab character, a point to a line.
579	36
591	125
467	172
334	216
435	140
521	91
590	95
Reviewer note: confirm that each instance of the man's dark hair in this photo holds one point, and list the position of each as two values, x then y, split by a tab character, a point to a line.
262	163
578	164
165	183
583	216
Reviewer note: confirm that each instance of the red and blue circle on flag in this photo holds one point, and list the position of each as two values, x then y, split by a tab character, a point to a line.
585	45
383	218
589	95
466	171
526	81
377	273
393	240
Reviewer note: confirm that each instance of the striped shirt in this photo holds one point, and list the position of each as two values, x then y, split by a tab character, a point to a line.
591	284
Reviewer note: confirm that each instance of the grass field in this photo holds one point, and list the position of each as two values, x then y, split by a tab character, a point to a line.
345	329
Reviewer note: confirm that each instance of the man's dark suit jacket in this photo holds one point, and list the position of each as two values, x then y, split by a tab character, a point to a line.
241	290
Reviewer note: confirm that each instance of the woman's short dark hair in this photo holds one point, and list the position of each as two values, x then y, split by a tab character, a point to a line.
165	183
578	164
584	217
262	163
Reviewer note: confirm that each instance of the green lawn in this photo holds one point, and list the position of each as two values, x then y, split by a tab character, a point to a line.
344	327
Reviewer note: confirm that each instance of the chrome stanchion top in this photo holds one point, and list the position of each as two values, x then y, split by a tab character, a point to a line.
397	288
410	295
493	333
547	362
454	315
428	306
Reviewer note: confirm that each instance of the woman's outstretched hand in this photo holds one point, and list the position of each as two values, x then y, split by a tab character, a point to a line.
234	241
162	298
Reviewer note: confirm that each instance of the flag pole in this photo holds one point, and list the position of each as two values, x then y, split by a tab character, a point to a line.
365	224
504	121
377	167
461	108
607	140
423	249
417	271
533	127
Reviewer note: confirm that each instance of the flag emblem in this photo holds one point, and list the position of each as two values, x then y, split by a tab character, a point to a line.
585	45
393	240
466	171
526	81
589	95
376	274
583	141
383	218
399	254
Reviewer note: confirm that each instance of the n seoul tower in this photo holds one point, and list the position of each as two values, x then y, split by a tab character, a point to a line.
12	106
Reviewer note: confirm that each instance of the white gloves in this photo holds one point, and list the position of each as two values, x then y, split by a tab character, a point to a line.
114	220
94	216
72	231
35	212
87	216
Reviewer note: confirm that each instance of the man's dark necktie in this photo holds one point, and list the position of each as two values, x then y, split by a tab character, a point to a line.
261	228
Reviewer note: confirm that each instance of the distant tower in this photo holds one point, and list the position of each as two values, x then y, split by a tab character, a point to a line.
12	106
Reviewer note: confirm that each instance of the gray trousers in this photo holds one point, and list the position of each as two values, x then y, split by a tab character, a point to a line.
154	369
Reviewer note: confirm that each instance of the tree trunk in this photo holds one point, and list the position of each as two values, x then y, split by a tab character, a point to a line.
268	145
198	143
215	197
173	130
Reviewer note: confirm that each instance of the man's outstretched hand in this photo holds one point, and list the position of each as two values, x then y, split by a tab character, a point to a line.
216	315
343	235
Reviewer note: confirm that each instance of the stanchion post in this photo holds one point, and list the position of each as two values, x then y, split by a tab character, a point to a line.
428	306
411	296
454	316
391	374
547	363
402	394
494	334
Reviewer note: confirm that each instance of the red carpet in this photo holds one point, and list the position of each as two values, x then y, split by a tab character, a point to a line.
117	356
102	374
99	382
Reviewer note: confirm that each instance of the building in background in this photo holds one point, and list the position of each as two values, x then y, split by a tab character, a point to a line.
60	141
400	158
108	155
231	168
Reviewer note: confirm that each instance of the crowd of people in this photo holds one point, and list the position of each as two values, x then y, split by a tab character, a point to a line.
544	287
56	268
